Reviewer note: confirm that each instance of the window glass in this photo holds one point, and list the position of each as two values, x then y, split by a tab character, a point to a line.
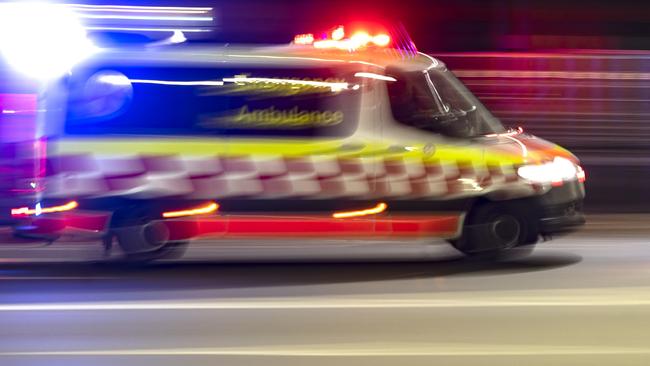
248	102
435	100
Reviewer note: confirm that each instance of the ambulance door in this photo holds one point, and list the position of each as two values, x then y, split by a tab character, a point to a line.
373	147
295	148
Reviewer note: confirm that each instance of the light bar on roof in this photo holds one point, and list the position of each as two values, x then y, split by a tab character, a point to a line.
381	40
372	75
136	8
307	38
336	39
338	33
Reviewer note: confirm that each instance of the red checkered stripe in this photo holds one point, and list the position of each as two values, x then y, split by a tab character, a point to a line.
214	177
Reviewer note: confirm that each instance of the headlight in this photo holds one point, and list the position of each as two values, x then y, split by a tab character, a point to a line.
42	40
555	172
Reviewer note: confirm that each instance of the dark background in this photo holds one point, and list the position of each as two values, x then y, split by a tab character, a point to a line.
435	25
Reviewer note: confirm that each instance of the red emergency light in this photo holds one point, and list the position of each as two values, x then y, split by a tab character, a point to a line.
337	39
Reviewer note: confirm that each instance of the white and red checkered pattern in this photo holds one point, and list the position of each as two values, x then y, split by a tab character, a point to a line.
214	177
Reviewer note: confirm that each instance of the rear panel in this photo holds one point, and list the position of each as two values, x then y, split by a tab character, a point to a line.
22	154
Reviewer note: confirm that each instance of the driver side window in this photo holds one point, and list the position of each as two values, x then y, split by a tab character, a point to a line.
411	100
416	102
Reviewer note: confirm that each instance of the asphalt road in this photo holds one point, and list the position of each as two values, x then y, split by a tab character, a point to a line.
579	300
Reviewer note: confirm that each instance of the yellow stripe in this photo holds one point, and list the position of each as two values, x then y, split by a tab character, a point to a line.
199	146
286	147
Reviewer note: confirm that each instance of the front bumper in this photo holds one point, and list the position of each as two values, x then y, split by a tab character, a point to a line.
561	208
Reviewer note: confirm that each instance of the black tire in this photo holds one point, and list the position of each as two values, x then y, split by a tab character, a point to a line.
142	238
493	227
147	242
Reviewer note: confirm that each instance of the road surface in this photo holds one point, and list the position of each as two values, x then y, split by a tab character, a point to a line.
579	300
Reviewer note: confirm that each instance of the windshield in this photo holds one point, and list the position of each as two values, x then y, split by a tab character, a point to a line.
435	100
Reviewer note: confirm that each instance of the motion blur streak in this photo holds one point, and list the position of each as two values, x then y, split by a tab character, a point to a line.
211	207
371	75
593	102
122	80
537	298
580	100
179	9
38	210
323	84
153	29
554	74
144	17
381	207
585	296
373	349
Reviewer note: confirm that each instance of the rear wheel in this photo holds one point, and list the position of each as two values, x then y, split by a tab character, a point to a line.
493	227
142	239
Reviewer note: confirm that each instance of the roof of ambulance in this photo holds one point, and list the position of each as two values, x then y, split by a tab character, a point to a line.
197	55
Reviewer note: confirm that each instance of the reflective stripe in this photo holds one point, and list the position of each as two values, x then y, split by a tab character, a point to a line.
274	176
443	226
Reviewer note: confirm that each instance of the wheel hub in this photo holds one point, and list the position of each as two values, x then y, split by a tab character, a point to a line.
506	229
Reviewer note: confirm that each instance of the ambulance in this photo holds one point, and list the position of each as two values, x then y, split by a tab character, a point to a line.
352	135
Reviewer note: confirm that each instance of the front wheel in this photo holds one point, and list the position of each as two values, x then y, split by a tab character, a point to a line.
493	227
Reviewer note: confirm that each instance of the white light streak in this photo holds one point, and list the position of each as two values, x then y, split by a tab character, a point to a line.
150	29
146	17
322	84
587	297
148	8
123	80
371	75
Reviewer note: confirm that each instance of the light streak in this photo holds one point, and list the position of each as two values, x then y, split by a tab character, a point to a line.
147	17
381	207
153	29
123	80
371	75
25	211
211	207
333	86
